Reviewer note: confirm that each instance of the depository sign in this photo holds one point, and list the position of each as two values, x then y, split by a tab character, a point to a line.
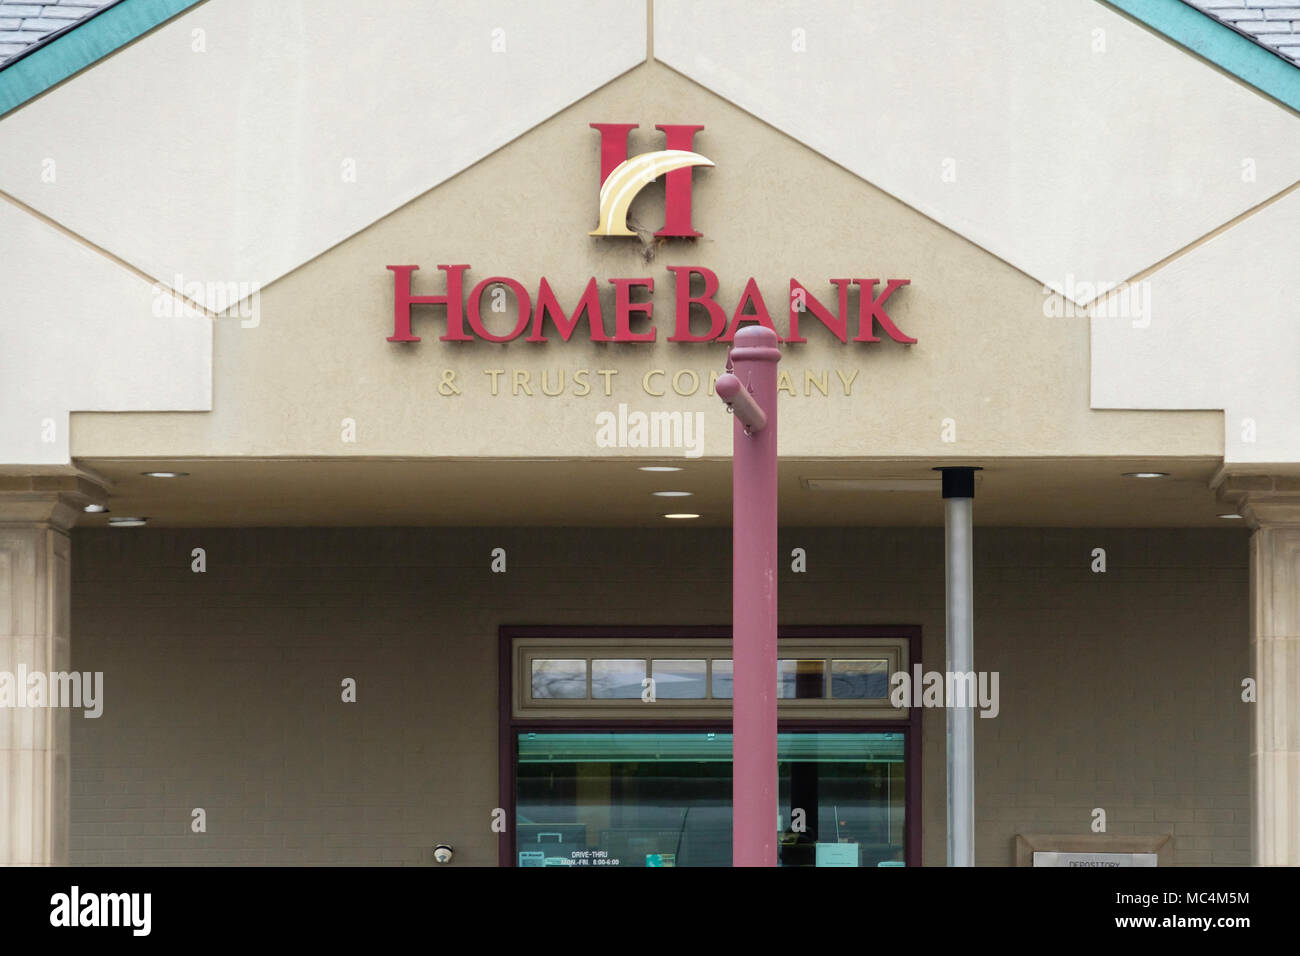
1042	858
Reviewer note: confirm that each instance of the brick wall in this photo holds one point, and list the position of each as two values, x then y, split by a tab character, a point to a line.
1118	691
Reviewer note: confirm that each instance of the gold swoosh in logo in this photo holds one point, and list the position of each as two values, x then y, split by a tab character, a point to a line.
631	176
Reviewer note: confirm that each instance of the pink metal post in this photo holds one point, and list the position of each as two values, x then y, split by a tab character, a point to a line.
750	391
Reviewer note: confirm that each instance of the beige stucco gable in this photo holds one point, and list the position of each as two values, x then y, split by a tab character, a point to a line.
1010	379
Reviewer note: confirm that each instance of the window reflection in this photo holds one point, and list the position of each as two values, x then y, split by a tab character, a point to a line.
724	679
801	679
678	679
867	679
564	679
617	679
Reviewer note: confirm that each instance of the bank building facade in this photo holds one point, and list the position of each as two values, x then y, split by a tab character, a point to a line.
366	495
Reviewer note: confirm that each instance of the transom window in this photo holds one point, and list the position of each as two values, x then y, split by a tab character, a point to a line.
555	677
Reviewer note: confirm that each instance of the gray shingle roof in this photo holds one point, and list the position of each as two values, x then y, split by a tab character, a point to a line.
24	23
1273	24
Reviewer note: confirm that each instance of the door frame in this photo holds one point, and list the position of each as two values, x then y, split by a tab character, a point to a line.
509	726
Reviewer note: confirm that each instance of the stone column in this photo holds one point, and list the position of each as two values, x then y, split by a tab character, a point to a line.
35	590
1271	504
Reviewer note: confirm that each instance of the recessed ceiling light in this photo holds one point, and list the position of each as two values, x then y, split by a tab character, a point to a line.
127	522
672	494
165	474
681	516
95	509
658	468
1238	517
1146	474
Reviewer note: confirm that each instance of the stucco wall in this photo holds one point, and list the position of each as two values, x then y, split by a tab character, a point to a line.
1118	691
991	358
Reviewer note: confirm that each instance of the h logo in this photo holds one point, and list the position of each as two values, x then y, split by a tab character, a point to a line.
622	178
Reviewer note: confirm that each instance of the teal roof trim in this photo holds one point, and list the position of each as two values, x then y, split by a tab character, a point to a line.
1220	44
53	61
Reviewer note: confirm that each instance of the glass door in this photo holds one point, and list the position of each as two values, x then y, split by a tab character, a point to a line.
663	798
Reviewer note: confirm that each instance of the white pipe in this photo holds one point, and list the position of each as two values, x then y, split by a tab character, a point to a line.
960	660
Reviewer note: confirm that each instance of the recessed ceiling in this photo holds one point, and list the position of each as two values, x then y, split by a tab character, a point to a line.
612	492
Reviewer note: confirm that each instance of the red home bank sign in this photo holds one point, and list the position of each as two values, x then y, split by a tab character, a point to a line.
464	320
695	288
